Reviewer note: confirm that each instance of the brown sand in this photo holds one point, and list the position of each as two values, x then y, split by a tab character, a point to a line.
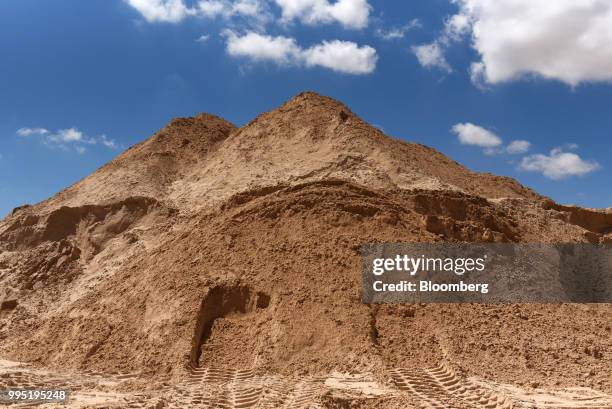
238	248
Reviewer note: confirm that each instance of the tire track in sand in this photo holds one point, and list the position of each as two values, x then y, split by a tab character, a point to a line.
441	388
221	388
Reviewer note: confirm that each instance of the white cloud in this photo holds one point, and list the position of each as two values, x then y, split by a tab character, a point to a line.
248	8
255	10
470	134
558	164
341	56
174	11
166	11
564	40
396	33
517	147
477	75
32	131
67	138
391	34
203	38
431	56
213	8
67	135
109	143
350	13
456	27
260	47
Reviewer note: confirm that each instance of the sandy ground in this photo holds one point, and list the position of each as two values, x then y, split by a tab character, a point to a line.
437	387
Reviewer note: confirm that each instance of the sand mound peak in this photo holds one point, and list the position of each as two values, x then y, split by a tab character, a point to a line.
313	137
198	162
310	99
149	168
205	128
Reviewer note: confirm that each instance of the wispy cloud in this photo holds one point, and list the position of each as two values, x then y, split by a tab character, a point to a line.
518	147
352	14
109	143
251	12
32	131
431	56
68	138
67	135
397	33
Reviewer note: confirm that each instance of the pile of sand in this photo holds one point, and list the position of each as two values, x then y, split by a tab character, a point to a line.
239	247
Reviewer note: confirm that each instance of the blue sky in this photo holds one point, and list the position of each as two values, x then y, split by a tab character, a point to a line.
82	80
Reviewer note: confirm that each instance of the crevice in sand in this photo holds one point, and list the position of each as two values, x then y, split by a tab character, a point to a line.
373	327
223	301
